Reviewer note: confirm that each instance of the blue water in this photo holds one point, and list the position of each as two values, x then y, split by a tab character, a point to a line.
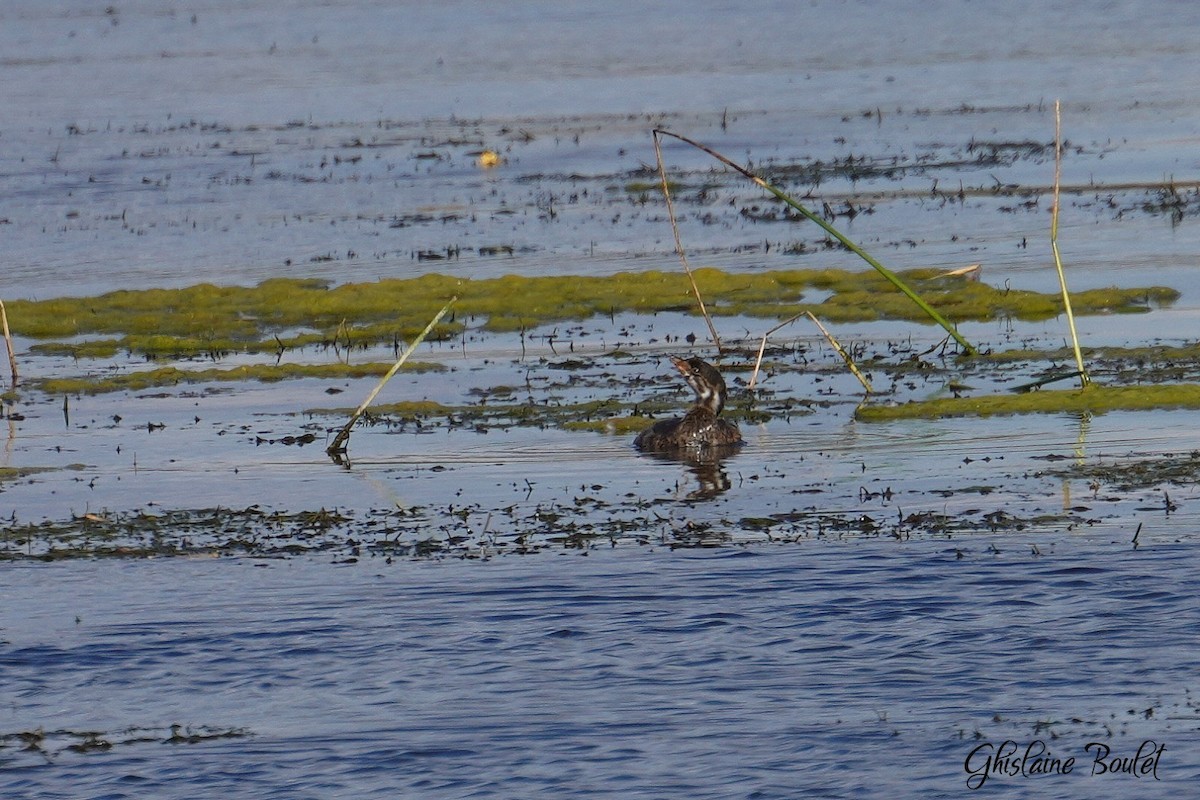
818	670
237	141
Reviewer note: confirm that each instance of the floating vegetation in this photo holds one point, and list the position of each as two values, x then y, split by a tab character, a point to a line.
1092	400
183	532
173	376
813	521
48	745
1171	201
609	415
1135	474
15	473
471	531
285	313
605	416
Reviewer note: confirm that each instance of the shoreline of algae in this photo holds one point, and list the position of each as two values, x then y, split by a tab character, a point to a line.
284	313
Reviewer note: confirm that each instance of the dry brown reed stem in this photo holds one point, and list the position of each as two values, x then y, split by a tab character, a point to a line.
662	173
12	357
338	447
971	271
842	352
1084	380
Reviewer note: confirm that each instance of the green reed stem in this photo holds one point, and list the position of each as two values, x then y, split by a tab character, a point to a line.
892	277
338	447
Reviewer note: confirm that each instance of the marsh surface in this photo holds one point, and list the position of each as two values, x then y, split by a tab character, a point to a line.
1030	573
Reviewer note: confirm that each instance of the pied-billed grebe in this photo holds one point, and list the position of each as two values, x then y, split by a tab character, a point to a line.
700	428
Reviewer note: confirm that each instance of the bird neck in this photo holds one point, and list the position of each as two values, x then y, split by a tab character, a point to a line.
711	398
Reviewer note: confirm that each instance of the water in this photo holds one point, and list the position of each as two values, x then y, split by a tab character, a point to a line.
236	142
817	645
823	670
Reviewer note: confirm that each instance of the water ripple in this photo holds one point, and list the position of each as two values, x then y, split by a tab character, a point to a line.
770	670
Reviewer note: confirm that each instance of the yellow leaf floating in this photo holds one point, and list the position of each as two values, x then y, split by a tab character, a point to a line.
489	159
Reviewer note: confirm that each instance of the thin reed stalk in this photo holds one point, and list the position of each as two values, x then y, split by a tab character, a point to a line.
12	357
338	447
762	348
842	352
892	277
662	173
832	341
1084	379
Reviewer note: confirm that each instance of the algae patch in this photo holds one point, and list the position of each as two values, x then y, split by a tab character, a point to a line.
283	313
1094	399
173	376
268	320
15	473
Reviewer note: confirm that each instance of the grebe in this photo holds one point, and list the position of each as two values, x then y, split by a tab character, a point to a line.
701	428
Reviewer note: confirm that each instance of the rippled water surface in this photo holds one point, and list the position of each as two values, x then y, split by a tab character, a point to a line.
824	670
843	610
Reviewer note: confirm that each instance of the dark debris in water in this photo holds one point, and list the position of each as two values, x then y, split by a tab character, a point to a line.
216	531
49	745
1118	723
1135	474
472	531
813	522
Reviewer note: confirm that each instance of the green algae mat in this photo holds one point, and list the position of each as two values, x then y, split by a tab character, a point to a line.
267	322
281	313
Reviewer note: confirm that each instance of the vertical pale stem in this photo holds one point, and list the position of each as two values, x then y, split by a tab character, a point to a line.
12	357
1084	380
662	172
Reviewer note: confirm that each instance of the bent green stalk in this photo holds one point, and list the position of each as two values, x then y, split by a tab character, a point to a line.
338	447
892	277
